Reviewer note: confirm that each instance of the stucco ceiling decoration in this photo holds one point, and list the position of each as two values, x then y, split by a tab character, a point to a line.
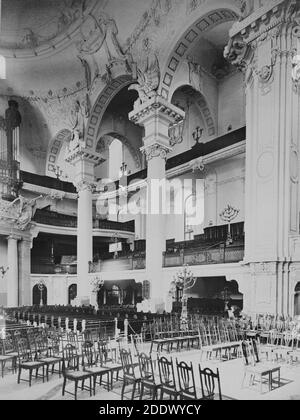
37	27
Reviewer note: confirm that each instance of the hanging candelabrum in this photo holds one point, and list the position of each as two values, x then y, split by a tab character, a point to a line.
225	296
228	215
123	170
41	287
185	280
97	282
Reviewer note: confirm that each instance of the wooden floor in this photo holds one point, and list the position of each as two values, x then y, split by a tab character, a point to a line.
231	374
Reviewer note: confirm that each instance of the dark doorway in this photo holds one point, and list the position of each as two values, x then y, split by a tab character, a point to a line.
72	293
37	293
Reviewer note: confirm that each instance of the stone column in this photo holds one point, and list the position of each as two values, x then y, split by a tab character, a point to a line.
25	290
84	162
265	46
155	115
13	271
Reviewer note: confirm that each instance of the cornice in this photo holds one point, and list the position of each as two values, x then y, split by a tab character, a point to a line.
156	105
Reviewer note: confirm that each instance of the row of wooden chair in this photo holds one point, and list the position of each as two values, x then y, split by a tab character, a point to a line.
157	387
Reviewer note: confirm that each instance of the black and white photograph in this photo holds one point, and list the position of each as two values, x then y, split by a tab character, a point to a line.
149	203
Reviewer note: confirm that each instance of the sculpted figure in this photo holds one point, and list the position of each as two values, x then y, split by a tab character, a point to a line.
148	74
24	210
78	116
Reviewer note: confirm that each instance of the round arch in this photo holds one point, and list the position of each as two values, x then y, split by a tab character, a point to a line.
101	104
107	138
55	148
191	36
202	104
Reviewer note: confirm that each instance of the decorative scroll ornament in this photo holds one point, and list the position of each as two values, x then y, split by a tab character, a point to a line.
19	212
155	150
84	185
198	165
296	71
148	75
100	51
176	133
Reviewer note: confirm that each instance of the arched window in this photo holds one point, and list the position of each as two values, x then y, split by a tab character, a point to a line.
2	67
115	159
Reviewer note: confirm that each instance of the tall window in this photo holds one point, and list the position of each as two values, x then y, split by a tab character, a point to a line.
115	159
2	67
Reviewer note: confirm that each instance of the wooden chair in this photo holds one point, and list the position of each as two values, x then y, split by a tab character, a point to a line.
48	355
92	364
26	361
147	376
108	360
186	381
167	379
255	368
209	380
72	371
6	357
129	375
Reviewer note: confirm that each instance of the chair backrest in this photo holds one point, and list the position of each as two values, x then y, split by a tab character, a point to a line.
24	353
186	380
71	358
166	372
146	367
209	380
89	357
104	351
127	364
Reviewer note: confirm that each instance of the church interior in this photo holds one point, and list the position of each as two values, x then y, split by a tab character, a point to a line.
149	199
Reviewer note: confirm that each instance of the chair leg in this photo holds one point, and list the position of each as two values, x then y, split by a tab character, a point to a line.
91	389
133	390
94	384
64	386
142	391
19	374
123	389
76	387
30	376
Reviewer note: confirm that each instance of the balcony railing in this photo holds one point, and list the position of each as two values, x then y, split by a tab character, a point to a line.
219	255
52	218
53	269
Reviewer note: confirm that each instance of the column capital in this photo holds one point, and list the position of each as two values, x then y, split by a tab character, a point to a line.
265	23
84	184
14	237
155	150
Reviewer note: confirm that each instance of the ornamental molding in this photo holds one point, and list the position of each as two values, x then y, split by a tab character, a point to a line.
155	150
18	213
83	154
84	185
266	24
157	106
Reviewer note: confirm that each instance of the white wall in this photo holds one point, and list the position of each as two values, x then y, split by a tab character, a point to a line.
231	103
